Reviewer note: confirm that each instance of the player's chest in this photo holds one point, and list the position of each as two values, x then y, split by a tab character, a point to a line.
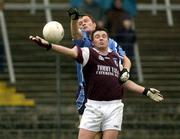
106	60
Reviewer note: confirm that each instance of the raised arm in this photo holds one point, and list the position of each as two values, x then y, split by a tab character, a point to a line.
72	52
74	16
75	32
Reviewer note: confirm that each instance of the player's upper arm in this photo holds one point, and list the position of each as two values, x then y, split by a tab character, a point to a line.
74	52
85	54
121	52
82	55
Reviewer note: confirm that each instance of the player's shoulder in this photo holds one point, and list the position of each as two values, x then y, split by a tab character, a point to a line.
112	44
111	40
85	49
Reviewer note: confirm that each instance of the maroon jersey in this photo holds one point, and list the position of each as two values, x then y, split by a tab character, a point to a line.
101	74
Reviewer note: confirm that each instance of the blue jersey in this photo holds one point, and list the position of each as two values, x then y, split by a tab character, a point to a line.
86	42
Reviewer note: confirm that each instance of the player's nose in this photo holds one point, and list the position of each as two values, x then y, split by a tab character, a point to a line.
101	38
84	23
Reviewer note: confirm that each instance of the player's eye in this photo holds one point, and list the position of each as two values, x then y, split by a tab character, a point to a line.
80	23
104	35
97	36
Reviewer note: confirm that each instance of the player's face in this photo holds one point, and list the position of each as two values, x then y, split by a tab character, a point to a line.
100	40
86	24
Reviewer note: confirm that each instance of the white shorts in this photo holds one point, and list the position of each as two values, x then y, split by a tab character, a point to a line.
102	115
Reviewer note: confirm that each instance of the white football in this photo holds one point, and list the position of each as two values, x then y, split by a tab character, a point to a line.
53	32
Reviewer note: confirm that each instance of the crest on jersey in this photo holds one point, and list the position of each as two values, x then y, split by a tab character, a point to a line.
101	58
115	61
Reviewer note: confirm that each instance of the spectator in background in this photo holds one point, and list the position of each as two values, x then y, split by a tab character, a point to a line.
91	7
113	21
120	25
126	37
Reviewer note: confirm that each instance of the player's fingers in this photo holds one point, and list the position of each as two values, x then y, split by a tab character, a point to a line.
38	38
160	95
159	98
154	90
31	37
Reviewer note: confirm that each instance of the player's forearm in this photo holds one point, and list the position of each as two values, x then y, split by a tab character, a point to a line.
75	33
74	16
152	93
132	86
127	63
72	52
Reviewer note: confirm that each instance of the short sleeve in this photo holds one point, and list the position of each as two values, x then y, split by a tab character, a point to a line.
83	55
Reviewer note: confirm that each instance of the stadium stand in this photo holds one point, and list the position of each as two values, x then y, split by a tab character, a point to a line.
36	75
160	57
158	45
54	115
10	97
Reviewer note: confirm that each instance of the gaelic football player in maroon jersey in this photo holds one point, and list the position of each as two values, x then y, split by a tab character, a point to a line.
101	68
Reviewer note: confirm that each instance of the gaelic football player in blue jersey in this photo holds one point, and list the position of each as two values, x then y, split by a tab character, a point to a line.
82	27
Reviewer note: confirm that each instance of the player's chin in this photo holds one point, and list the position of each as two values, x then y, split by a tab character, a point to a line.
87	30
102	47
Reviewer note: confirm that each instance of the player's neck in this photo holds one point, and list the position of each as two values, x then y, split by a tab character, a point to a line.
103	51
89	34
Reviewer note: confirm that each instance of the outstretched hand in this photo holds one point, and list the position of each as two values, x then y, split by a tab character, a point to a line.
41	42
154	94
